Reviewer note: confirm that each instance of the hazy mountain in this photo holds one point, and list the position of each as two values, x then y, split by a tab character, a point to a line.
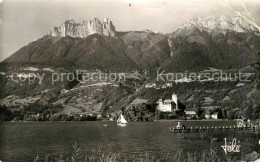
219	24
194	46
146	49
221	42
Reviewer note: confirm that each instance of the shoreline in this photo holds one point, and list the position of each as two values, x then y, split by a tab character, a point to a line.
163	120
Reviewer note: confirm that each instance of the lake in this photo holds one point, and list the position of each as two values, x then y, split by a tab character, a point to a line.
22	141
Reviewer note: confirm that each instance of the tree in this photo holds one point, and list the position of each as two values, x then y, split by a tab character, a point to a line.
230	115
5	114
220	114
200	112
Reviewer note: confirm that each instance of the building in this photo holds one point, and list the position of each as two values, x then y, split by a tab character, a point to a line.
190	112
207	115
215	115
168	105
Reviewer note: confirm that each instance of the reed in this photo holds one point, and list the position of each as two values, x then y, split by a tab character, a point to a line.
99	155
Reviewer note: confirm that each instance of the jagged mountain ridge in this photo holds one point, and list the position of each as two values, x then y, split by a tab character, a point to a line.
219	24
84	29
184	49
190	47
194	48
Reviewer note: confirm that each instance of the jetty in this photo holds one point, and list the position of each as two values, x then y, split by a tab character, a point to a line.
216	128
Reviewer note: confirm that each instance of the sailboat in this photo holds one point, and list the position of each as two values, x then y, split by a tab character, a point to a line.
121	121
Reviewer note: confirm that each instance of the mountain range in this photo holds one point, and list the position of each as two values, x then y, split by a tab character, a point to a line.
218	41
205	44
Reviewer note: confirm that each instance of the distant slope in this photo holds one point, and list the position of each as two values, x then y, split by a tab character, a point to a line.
147	50
193	49
94	52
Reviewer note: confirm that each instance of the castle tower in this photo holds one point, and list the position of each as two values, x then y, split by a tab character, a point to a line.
175	100
160	102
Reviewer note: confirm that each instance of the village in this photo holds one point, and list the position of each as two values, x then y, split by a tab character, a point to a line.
167	109
137	110
170	105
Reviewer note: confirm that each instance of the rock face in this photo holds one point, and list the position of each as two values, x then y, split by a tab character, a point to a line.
223	42
219	24
84	29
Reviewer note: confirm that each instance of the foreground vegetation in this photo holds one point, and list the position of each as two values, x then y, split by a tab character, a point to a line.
98	155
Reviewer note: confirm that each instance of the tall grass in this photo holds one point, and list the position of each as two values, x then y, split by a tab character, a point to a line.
99	155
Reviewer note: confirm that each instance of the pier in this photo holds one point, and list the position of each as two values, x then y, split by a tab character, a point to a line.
216	128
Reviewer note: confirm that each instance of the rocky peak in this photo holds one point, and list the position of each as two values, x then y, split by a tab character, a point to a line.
84	29
220	24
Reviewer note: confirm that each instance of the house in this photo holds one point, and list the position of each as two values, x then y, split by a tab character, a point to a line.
168	105
215	115
190	112
207	115
99	116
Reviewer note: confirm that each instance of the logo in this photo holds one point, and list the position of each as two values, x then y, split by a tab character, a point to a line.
233	147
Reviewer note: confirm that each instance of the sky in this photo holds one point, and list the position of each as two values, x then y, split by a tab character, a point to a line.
24	21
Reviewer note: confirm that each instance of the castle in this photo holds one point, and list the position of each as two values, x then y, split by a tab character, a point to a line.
168	105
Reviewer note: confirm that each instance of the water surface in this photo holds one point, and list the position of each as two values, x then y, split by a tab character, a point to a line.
22	141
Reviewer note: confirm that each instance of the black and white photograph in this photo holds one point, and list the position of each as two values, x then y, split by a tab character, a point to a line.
129	80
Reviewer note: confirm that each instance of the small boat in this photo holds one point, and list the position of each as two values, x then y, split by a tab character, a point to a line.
105	125
121	121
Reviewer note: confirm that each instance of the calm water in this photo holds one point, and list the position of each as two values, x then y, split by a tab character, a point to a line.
23	141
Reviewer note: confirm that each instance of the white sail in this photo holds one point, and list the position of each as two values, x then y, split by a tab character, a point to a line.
122	119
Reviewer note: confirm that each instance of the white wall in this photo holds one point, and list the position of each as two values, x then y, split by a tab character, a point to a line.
175	100
214	116
165	108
